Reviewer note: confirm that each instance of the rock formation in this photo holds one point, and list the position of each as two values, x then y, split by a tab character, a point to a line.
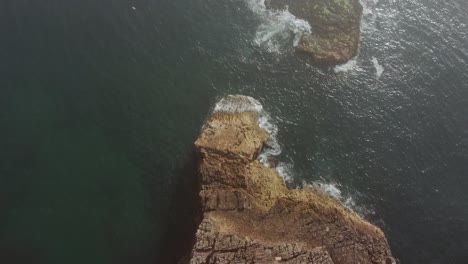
335	27
250	216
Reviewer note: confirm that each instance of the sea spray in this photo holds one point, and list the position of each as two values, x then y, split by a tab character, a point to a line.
378	68
272	149
238	104
335	190
366	19
242	103
278	28
345	67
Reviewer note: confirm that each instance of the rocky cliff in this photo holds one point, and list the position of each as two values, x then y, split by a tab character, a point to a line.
335	27
250	216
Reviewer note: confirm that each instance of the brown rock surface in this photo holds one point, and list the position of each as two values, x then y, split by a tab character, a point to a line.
249	216
335	27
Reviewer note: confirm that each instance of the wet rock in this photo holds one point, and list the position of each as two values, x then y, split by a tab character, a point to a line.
335	28
249	216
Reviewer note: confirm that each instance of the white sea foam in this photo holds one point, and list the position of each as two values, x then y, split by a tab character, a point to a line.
242	103
274	148
284	170
378	68
350	65
278	27
366	21
268	156
334	190
366	6
327	188
238	104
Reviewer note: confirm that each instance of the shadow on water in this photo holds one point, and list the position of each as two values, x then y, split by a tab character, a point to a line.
184	215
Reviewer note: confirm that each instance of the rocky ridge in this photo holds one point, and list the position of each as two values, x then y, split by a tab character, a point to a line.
250	216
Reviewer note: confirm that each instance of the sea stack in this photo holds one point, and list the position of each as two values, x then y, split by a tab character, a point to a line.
335	28
250	216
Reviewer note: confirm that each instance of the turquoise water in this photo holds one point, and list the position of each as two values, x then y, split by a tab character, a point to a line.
100	104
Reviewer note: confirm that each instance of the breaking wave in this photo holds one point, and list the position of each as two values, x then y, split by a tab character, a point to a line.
334	190
272	149
238	104
367	21
378	68
350	65
278	29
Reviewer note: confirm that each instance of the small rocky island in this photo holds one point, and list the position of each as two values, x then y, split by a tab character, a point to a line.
250	216
335	28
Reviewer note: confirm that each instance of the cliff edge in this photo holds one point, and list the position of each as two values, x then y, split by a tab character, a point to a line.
335	28
250	216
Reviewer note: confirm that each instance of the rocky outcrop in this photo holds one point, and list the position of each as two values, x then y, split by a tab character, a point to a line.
335	27
250	216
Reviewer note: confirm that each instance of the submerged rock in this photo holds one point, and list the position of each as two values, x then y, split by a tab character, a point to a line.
335	27
250	216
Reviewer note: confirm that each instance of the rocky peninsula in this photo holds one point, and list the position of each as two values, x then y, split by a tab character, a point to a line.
250	216
335	28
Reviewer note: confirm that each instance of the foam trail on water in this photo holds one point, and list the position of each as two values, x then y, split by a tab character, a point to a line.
378	68
277	27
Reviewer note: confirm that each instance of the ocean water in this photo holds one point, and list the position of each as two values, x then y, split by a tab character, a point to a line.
101	101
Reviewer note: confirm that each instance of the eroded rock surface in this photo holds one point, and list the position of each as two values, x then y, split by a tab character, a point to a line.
250	216
335	27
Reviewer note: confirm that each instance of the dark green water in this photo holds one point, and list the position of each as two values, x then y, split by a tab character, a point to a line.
100	105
